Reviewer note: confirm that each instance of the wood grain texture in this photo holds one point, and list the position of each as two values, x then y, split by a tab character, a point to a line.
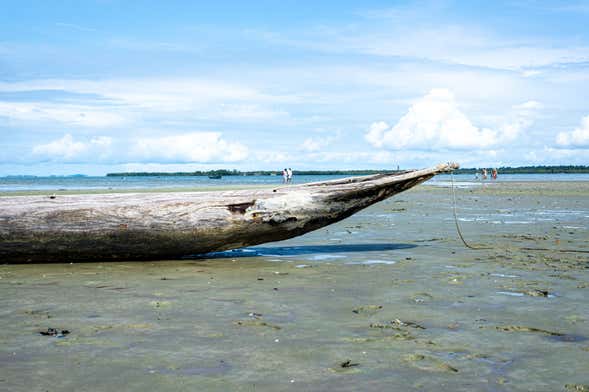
100	227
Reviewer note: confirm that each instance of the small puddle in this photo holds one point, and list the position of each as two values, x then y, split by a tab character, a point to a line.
370	262
511	293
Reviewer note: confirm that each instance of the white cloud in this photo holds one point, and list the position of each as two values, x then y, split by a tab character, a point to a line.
529	105
558	156
164	94
116	102
471	45
436	122
376	133
313	144
516	56
523	117
102	141
78	115
64	148
195	147
579	137
316	143
531	73
67	149
189	147
464	44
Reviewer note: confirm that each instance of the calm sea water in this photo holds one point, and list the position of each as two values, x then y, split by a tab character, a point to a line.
9	184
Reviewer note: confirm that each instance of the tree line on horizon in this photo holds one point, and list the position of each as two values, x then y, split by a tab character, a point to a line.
225	172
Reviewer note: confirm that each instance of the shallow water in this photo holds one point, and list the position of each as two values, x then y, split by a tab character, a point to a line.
390	289
28	184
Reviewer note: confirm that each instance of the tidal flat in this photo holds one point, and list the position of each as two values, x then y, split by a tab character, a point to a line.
388	299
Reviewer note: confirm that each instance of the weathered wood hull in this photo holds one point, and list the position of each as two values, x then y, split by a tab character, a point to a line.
152	226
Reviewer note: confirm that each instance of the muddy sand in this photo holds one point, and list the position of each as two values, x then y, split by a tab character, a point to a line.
388	299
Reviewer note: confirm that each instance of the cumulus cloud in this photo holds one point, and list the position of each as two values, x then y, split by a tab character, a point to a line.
578	138
523	117
195	147
189	147
68	149
436	122
376	133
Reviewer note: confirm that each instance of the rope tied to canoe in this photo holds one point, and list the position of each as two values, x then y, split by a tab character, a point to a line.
469	246
486	247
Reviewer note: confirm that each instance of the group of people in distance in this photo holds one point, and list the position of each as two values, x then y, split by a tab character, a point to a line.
484	174
287	176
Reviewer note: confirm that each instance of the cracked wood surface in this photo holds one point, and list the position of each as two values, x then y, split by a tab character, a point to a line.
99	227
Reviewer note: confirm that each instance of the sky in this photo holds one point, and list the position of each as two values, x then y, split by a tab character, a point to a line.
91	87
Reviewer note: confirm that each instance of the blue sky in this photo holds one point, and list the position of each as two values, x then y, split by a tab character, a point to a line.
100	86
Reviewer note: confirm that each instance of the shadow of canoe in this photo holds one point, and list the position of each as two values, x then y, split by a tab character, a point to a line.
285	251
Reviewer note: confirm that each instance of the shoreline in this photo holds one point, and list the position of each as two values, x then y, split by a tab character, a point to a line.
234	187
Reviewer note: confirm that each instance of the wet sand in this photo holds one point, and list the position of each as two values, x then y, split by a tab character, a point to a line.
388	299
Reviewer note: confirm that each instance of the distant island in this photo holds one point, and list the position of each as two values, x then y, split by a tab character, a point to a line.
223	172
248	173
531	169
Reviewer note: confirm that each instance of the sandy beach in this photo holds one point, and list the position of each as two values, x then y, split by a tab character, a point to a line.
388	299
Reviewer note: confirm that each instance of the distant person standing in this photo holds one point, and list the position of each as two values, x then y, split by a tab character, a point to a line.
289	175
284	176
484	174
494	174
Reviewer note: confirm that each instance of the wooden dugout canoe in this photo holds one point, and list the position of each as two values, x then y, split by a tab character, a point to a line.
152	226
